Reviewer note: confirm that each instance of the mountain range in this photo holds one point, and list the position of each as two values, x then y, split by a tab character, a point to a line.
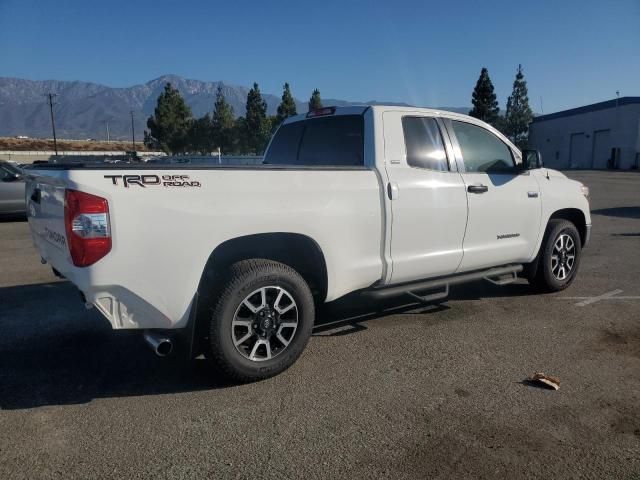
82	109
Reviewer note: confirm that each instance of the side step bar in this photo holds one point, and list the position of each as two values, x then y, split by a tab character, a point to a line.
494	275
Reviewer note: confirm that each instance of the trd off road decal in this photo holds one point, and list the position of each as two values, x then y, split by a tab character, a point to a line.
146	180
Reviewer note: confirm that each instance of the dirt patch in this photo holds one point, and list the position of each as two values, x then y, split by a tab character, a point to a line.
623	342
461	392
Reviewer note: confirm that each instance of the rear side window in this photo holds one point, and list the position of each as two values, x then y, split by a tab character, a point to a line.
423	141
481	150
327	141
284	146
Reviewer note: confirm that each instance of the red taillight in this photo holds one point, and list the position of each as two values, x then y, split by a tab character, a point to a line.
86	220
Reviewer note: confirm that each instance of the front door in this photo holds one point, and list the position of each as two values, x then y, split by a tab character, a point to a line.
427	196
504	203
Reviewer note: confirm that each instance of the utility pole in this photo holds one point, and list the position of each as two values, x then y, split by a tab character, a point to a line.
133	133
53	123
108	137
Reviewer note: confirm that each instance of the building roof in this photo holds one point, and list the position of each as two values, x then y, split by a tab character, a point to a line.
588	108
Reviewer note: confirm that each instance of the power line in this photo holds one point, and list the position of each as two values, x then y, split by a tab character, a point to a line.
133	133
53	123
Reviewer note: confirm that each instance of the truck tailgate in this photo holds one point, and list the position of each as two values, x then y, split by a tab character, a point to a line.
45	212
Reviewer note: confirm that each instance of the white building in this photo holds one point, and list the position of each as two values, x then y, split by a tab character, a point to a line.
602	135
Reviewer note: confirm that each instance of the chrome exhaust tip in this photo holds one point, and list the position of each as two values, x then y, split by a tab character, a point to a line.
160	344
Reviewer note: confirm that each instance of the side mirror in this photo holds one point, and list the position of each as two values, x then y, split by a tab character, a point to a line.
531	159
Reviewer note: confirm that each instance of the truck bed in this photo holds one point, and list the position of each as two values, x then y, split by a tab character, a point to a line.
166	220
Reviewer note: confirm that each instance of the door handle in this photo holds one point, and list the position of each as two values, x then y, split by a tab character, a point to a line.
532	194
392	190
477	189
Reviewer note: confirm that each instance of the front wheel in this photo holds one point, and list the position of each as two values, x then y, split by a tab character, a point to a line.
559	256
261	321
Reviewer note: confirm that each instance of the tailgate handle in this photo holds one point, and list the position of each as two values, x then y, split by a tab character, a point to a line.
36	195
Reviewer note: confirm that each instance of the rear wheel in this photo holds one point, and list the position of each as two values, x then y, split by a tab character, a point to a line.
261	321
559	256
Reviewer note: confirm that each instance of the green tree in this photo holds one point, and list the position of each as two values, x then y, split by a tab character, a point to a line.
315	101
168	126
287	107
484	100
239	136
223	124
519	114
200	135
257	128
273	122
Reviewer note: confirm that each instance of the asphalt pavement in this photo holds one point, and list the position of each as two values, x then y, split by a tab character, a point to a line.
382	391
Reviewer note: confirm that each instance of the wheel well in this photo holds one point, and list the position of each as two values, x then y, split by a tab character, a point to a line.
298	251
576	217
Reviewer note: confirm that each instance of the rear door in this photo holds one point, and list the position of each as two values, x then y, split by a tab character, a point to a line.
504	202
427	195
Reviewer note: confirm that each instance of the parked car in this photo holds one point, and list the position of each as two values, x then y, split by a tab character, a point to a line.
12	199
379	200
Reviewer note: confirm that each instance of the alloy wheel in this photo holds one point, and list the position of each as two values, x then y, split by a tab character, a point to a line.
563	256
264	323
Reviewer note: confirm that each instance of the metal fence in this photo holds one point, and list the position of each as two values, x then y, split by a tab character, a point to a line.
30	156
209	160
112	156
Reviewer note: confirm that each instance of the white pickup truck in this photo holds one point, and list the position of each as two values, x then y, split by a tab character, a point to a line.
381	200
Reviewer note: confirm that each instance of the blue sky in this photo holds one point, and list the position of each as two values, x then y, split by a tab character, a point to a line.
426	53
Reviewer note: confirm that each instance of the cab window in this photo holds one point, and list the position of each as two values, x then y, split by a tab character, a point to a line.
424	145
332	141
481	150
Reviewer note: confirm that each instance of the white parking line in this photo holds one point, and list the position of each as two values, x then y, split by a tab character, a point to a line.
612	295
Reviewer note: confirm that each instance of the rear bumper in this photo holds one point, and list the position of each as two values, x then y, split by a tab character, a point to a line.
121	305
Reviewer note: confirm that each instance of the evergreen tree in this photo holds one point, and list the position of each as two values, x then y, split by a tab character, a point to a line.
315	101
519	114
168	126
257	129
200	135
239	135
287	107
223	124
273	122
484	100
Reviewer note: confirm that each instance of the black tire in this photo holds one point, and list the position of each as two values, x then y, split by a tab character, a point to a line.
244	278
545	278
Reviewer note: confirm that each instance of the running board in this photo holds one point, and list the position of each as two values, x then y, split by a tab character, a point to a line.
497	273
